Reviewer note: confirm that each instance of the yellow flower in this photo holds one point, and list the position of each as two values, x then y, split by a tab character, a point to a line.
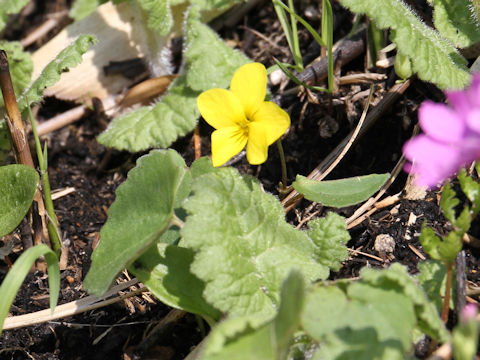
242	117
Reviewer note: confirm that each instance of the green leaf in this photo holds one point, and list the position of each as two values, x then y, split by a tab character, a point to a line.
8	7
287	321
448	202
165	270
367	322
18	185
237	338
160	17
340	193
209	63
372	318
471	189
19	271
155	126
141	213
445	250
82	8
330	235
465	339
433	57
397	276
403	66
244	248
68	58
21	67
432	278
457	21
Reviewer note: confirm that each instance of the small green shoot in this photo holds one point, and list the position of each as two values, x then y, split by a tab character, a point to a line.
19	271
52	224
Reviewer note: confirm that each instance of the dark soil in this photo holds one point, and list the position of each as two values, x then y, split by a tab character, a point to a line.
77	160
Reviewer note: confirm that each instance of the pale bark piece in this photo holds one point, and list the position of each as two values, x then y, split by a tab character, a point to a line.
122	34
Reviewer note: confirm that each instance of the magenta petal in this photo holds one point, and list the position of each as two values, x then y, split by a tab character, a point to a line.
473	119
432	162
440	122
462	101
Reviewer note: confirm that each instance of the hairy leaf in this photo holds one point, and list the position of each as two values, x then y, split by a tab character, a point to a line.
18	185
160	18
287	321
457	21
448	202
433	57
211	63
471	189
155	126
237	338
20	64
367	322
141	213
397	277
8	7
372	318
68	58
82	8
340	193
432	278
330	236
445	249
244	248
20	270
165	270
176	114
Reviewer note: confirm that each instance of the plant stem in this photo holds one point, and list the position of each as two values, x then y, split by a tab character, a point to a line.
52	224
283	164
14	119
19	138
448	290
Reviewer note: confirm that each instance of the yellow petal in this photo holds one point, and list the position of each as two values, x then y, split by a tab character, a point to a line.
257	146
274	119
249	84
226	143
220	108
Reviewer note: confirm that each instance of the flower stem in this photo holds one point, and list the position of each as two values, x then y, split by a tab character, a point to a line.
448	289
283	185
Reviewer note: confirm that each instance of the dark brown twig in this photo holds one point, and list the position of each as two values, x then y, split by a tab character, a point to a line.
345	51
19	139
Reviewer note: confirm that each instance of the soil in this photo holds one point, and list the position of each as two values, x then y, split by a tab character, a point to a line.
319	123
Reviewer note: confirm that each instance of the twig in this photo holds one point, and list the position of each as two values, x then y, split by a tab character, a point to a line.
42	30
61	120
345	148
344	51
394	93
357	217
365	254
72	308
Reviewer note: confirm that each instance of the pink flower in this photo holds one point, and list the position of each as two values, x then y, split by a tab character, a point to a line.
451	138
469	312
